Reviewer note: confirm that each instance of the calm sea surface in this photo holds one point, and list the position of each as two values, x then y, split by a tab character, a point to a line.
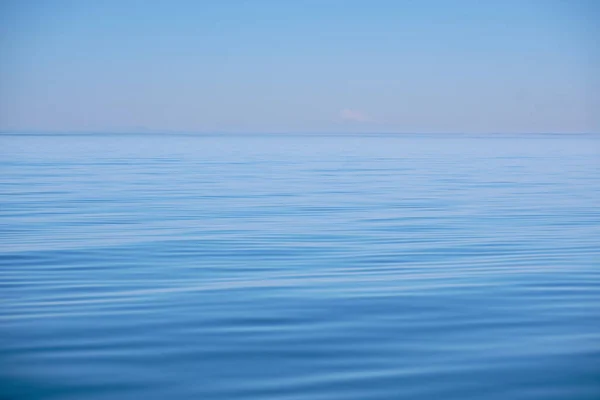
299	267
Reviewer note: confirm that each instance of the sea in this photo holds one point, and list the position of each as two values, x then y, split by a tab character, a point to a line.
299	266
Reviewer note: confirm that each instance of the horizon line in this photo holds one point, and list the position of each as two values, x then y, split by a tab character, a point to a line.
241	133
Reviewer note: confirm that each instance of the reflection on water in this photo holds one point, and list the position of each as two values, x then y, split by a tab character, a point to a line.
300	267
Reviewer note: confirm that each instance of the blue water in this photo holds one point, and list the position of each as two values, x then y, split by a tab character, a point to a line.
300	267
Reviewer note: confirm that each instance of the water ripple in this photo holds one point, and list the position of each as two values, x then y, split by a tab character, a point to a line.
300	267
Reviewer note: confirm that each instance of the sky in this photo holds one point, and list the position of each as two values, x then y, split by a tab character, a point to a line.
293	66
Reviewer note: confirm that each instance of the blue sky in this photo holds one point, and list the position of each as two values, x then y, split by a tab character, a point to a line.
299	66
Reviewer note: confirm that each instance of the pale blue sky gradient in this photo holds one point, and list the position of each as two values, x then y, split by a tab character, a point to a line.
299	66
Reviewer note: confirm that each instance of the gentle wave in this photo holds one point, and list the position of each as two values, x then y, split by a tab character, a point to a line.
300	267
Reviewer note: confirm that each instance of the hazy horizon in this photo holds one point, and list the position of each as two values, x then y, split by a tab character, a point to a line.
299	67
293	133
